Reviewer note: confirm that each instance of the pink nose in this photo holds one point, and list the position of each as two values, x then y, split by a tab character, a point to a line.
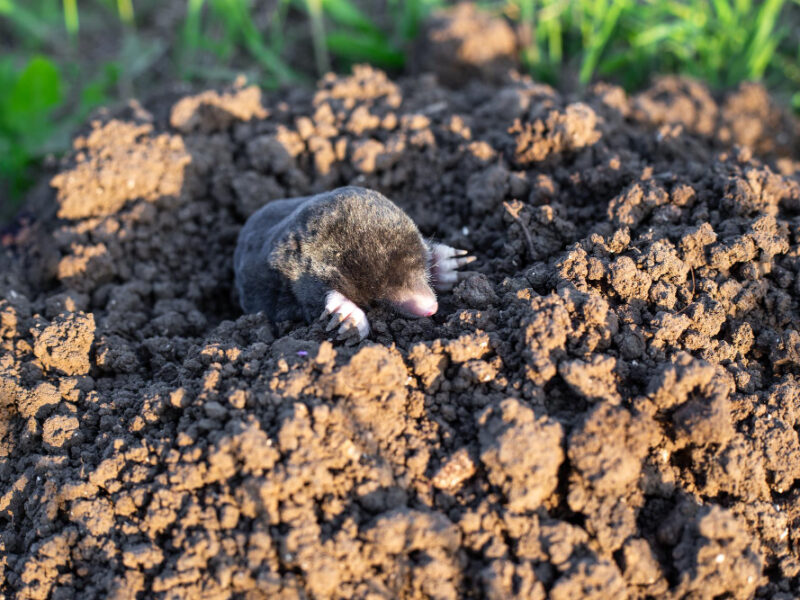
429	309
419	305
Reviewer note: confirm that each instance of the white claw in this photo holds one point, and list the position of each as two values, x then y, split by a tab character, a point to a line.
334	321
341	315
344	327
444	264
448	251
361	324
451	264
346	314
333	301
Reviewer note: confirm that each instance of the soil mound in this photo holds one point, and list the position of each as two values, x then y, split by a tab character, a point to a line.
608	408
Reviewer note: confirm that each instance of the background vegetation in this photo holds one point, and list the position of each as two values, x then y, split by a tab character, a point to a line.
60	59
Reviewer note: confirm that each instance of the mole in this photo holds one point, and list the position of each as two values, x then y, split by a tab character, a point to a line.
329	255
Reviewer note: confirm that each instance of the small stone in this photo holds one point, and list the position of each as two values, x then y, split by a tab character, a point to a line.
455	471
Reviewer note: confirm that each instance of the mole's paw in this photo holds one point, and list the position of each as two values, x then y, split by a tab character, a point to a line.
444	264
344	313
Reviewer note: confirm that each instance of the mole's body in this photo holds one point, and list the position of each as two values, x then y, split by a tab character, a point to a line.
329	253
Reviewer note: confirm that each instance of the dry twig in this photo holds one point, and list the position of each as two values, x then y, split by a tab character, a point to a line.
514	208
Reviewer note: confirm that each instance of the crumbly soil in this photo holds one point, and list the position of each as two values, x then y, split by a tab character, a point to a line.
608	407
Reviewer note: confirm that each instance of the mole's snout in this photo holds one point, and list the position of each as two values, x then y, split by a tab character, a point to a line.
419	304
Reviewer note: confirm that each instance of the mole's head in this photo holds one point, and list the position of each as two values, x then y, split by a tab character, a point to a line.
407	285
378	254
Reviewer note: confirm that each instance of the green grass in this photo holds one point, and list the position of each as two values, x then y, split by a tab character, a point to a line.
721	42
48	85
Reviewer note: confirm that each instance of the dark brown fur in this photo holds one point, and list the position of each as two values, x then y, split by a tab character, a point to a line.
352	240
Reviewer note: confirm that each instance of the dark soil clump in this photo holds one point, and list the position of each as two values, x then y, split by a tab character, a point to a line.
608	408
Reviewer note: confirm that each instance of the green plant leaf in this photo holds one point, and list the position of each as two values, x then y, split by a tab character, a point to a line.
356	46
8	76
35	93
346	13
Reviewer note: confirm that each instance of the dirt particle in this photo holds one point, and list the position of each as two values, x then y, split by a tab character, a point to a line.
716	557
521	453
145	556
214	111
594	380
64	345
124	162
59	429
95	515
593	580
476	292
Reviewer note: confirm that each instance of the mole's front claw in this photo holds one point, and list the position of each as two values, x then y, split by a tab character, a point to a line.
444	263
347	315
354	324
350	336
347	330
335	320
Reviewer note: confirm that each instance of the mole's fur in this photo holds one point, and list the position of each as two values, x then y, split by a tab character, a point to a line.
293	253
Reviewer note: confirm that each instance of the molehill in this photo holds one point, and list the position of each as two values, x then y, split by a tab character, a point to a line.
609	408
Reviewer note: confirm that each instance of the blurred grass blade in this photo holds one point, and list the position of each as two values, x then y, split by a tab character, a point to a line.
764	41
314	8
239	27
527	17
125	10
356	46
71	18
724	12
743	7
30	23
658	33
138	56
191	27
759	61
276	33
550	17
600	39
95	92
411	15
346	13
255	45
71	21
